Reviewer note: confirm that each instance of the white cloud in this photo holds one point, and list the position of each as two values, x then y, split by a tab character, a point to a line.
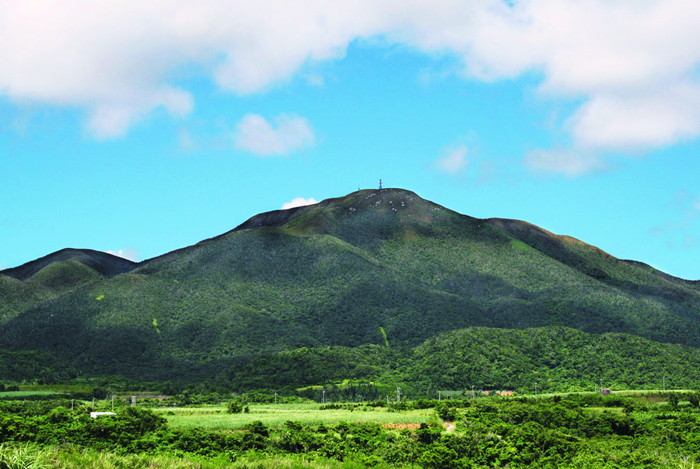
631	123
453	161
564	161
127	253
110	59
288	134
111	120
633	64
116	60
299	202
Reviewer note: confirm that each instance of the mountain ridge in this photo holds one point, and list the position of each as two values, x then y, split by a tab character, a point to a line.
278	218
105	263
372	267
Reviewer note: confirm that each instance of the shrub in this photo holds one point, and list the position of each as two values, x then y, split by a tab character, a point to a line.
234	407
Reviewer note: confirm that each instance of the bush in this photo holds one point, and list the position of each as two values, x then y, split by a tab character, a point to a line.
234	407
439	457
446	412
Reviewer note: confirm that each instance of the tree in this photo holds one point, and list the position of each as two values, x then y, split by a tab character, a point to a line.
235	407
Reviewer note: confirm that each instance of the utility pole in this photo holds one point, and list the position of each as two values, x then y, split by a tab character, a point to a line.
473	391
323	397
275	398
439	397
398	394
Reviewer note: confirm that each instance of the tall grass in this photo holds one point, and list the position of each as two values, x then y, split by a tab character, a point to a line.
34	457
75	459
22	457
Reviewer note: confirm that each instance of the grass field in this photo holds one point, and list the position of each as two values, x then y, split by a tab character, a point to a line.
276	415
622	392
56	387
20	394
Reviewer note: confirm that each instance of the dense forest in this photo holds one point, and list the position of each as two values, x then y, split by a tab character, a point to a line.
546	359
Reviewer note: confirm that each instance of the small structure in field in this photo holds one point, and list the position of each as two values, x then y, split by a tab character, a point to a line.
94	415
605	391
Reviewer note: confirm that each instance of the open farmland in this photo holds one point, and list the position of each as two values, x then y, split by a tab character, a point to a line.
216	417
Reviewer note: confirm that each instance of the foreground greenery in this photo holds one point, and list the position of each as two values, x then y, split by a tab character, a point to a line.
652	430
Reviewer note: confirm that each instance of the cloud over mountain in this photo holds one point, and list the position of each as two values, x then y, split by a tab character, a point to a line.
256	135
126	253
632	65
453	160
299	202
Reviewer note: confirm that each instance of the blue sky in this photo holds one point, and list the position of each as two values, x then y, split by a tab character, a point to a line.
139	129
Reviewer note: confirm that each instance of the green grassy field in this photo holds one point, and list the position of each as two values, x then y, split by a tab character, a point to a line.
60	388
276	415
20	394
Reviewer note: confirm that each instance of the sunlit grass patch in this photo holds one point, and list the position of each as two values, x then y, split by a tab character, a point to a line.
20	394
276	415
56	387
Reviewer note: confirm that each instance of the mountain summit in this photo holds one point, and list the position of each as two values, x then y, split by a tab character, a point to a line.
373	267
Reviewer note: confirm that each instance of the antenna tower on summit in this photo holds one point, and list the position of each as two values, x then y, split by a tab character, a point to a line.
380	185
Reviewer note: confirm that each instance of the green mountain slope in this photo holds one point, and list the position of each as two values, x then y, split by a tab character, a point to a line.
550	358
547	358
54	275
368	268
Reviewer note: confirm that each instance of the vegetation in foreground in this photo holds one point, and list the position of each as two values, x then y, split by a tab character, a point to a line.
653	430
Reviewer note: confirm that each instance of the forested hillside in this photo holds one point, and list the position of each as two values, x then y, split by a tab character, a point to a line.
544	359
376	271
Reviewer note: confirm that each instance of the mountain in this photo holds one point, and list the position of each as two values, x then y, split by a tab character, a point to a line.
54	275
103	263
382	267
